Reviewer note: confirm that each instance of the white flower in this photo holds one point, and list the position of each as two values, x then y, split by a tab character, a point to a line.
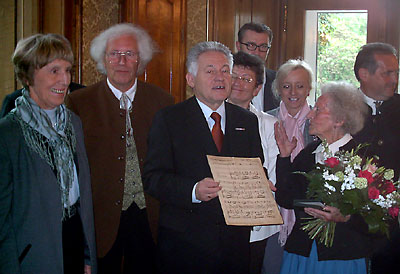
330	177
387	202
329	187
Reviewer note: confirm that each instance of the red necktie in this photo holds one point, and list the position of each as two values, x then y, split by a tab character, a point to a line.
216	131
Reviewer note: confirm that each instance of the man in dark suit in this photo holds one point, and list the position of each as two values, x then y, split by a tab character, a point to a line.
193	235
116	114
9	100
377	68
256	39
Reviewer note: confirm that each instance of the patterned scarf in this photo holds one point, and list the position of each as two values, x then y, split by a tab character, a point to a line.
294	127
56	145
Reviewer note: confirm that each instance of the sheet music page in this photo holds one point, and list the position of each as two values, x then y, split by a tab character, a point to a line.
245	197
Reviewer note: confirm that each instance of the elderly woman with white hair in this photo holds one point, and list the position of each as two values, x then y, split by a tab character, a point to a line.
116	114
338	113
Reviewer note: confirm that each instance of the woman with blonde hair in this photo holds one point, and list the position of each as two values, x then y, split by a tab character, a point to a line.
292	84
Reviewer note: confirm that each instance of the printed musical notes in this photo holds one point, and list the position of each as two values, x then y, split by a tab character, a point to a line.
245	197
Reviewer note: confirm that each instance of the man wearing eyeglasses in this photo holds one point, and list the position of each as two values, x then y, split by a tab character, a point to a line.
256	39
116	115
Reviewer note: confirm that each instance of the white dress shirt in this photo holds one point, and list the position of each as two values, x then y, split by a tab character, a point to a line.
333	148
207	111
270	149
130	92
258	100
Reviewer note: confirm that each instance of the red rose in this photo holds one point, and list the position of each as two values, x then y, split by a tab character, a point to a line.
389	187
332	162
367	175
373	193
394	211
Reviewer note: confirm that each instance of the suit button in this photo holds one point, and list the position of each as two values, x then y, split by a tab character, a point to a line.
380	142
121	158
118	202
121	180
122	137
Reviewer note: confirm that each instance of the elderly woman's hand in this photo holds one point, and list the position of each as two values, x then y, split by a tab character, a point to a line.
328	214
285	146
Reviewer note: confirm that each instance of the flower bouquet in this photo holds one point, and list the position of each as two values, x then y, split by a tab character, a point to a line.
354	186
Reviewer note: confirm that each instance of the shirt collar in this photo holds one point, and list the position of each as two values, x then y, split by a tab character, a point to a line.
335	146
370	102
253	109
207	111
117	93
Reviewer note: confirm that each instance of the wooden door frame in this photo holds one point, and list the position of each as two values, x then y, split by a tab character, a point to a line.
73	32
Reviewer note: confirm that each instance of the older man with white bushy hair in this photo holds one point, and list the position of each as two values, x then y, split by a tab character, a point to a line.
116	114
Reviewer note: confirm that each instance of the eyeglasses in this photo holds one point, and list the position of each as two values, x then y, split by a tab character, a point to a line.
253	47
242	78
115	56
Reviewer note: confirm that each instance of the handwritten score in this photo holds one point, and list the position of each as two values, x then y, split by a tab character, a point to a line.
245	197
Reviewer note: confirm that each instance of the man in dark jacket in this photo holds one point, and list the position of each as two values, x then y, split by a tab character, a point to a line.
116	115
193	235
377	69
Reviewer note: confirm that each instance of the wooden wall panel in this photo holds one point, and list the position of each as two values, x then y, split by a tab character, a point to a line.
243	15
52	19
270	13
393	30
7	33
226	17
18	19
73	32
165	21
221	21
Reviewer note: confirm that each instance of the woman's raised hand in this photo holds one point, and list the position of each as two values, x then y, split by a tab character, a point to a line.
285	146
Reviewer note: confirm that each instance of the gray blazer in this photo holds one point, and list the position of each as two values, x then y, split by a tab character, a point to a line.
307	137
30	204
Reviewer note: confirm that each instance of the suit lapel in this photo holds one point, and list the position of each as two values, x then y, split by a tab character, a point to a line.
229	128
236	134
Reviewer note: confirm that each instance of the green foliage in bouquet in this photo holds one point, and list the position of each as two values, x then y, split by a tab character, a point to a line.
354	186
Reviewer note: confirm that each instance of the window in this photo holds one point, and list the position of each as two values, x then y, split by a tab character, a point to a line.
332	41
